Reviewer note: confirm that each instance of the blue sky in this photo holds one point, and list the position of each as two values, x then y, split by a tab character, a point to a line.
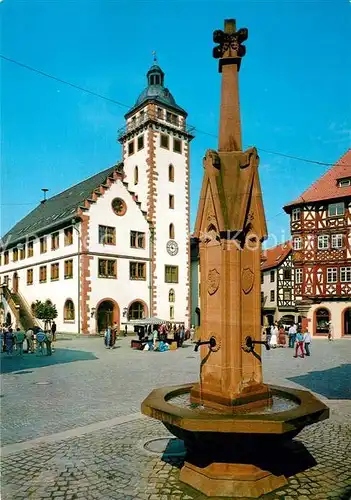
294	87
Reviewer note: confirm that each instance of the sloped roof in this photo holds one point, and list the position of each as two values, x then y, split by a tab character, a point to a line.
326	187
57	209
273	257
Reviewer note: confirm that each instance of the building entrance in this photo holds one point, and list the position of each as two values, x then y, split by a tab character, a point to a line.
105	315
347	321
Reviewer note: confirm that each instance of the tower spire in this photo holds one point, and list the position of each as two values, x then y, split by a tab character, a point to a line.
229	52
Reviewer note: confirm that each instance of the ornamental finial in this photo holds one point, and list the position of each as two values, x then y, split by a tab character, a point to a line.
154	56
230	42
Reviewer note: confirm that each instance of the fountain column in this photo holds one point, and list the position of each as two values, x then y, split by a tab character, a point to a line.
230	227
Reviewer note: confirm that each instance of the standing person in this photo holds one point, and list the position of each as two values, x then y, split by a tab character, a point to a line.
29	338
299	344
281	336
9	341
48	341
268	334
19	339
4	335
125	330
155	335
274	336
330	331
181	335
307	341
292	335
41	338
192	333
113	335
107	337
53	331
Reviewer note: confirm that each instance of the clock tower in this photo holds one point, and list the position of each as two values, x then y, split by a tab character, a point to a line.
156	157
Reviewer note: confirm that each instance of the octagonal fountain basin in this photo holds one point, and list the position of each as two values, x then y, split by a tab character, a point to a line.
244	454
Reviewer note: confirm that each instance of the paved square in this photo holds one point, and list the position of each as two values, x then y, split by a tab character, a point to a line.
71	426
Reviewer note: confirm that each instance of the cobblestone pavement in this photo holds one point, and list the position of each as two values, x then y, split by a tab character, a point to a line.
87	384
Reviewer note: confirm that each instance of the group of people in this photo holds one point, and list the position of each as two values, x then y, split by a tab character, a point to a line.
13	340
159	337
298	339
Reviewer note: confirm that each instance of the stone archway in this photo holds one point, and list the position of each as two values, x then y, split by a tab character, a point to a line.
137	309
346	321
322	317
107	313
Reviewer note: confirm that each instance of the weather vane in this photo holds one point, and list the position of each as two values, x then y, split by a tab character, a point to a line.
154	56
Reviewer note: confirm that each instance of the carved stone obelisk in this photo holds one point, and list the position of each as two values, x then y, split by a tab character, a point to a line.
230	227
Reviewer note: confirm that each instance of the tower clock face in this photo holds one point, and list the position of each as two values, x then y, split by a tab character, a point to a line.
172	247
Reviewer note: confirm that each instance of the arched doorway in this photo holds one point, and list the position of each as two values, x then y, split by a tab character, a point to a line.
107	313
322	318
137	310
15	283
347	321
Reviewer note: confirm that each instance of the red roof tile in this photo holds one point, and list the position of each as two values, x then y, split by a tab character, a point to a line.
273	257
326	187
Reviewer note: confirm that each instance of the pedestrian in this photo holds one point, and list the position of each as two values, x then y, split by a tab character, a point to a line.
107	337
192	333
292	335
274	336
48	342
53	331
9	341
268	334
307	342
281	336
299	345
4	335
41	338
125	330
330	331
155	336
29	338
19	339
113	335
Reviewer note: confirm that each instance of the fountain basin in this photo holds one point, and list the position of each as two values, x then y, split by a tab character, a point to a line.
237	454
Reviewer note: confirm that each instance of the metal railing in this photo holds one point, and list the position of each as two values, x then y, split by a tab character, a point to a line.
155	117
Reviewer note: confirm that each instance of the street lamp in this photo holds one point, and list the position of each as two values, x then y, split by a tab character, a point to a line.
74	222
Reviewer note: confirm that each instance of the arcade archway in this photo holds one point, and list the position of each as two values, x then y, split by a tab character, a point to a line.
107	313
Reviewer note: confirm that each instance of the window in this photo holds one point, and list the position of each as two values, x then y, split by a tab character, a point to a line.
171	312
15	254
141	116
30	249
160	113
172	118
68	269
68	232
262	297
43	245
345	274
55	271
177	145
287	274
42	274
137	270
171	232
55	241
322	320
119	206
140	142
272	275
107	235
344	182
262	278
171	201
323	242
286	294
22	252
337	241
164	141
136	311
171	295
136	176
171	274
137	239
171	173
6	257
335	209
298	276
130	148
332	274
296	214
272	296
297	243
29	276
68	310
6	280
107	268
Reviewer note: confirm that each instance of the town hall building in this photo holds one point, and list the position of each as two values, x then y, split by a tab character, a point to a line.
114	247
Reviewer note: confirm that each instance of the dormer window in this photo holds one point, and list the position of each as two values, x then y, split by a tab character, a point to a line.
346	182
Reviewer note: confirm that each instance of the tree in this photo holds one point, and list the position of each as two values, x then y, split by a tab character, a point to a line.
46	311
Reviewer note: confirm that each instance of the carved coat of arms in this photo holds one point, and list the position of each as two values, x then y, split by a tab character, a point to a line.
247	279
212	281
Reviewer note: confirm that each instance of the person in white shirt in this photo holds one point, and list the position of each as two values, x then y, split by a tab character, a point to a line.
292	335
307	342
274	335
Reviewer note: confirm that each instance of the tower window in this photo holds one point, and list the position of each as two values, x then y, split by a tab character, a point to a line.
171	295
171	312
160	113
131	148
140	142
171	173
136	175
171	232
171	201
177	145
164	141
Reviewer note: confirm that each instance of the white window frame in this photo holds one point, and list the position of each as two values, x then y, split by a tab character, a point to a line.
337	206
298	276
323	242
345	274
296	214
337	240
332	274
297	243
344	182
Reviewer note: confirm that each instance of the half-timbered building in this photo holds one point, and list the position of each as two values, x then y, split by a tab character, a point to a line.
320	222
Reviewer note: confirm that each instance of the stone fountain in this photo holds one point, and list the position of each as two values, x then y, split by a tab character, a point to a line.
237	430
